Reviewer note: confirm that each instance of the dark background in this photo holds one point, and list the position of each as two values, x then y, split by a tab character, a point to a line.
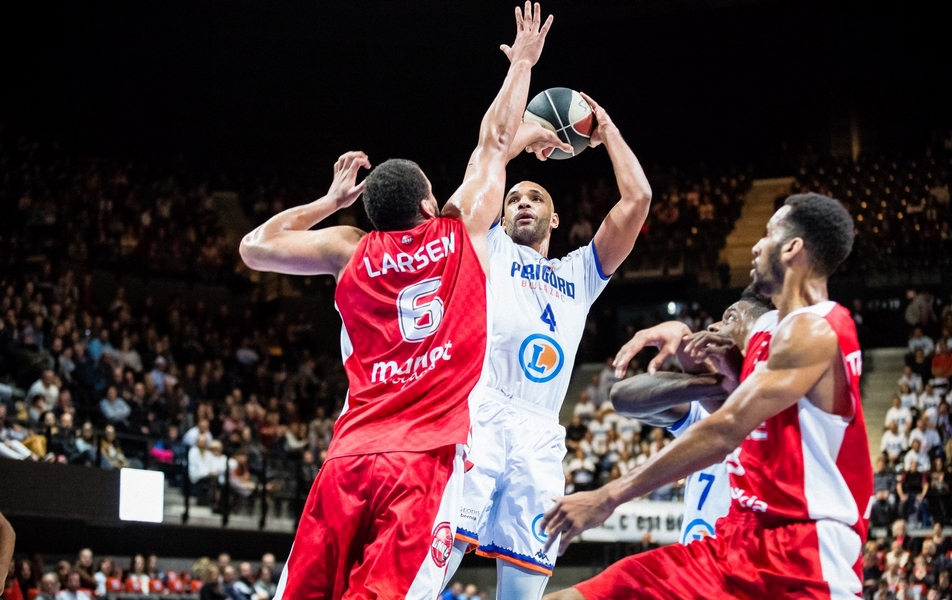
284	88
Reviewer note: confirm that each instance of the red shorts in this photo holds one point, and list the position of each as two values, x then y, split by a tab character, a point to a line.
747	559
376	526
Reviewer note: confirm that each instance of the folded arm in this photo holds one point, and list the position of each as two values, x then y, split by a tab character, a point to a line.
662	399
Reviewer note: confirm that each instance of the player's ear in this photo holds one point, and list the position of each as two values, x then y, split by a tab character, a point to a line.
555	220
429	207
792	248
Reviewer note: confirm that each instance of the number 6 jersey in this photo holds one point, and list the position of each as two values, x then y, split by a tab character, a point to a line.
539	313
414	310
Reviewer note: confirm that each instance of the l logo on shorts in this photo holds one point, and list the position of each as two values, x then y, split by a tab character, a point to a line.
541	358
537	532
442	544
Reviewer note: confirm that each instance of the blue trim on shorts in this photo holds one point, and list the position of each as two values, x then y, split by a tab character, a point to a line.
598	263
467	533
517	556
680	421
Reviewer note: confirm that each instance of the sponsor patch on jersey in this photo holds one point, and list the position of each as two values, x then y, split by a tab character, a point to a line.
442	545
538	534
541	358
407	239
698	529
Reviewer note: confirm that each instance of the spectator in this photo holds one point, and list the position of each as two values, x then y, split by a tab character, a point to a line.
899	414
84	566
915	456
912	489
72	590
137	578
575	432
191	436
265	585
911	379
927	436
584	408
204	467
920	341
581	468
114	409
453	592
941	367
228	580
929	399
884	487
244	586
49	587
107	567
11	444
46	386
25	578
939	495
212	587
111	452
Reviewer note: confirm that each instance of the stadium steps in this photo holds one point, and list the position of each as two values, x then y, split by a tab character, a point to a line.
758	207
202	516
882	368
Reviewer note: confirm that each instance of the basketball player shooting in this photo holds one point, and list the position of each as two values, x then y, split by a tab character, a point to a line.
380	517
795	437
539	314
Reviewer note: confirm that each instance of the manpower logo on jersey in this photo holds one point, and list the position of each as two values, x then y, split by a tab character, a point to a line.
541	358
390	371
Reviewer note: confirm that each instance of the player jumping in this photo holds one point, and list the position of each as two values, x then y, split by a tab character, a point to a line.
541	306
794	431
412	295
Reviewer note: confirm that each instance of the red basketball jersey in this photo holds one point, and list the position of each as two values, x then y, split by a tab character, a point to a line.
804	464
414	311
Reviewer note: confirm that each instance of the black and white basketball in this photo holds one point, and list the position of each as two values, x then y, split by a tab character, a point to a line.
565	112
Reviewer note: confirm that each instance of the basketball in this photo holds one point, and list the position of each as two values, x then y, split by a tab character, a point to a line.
565	112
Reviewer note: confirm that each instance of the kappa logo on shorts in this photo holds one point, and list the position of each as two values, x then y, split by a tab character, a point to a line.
537	532
698	529
442	544
541	358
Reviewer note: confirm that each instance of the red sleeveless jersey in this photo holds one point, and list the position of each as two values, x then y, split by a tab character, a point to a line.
414	312
804	464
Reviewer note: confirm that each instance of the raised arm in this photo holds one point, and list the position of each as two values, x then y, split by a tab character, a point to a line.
285	243
662	399
616	236
802	352
479	198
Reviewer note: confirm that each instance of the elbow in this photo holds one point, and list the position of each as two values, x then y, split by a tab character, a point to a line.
249	250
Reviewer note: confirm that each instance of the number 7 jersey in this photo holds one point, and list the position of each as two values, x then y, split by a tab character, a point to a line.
540	307
415	325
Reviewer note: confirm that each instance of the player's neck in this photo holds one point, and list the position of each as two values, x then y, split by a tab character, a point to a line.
799	291
542	246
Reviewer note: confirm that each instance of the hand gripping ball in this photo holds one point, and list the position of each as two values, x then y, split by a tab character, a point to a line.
565	112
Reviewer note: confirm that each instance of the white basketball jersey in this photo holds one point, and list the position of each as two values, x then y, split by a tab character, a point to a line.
707	493
539	313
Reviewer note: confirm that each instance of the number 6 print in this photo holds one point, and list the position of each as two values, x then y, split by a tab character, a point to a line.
419	318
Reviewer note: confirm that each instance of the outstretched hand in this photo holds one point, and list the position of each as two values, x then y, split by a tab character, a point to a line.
530	37
666	337
573	514
602	121
720	351
344	189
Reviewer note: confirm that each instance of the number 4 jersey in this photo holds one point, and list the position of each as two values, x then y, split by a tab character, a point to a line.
414	310
539	314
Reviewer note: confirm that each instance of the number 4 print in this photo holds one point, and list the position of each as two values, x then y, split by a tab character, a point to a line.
419	319
548	318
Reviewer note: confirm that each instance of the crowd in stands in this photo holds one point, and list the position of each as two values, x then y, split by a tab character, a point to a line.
138	385
114	214
89	578
912	477
900	204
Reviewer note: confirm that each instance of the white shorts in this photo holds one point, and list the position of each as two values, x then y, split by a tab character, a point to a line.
516	474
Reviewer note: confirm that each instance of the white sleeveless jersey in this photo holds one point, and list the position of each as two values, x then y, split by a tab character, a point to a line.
707	493
539	314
